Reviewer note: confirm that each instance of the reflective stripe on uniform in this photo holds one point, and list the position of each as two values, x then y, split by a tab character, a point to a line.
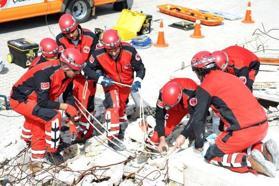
225	161
26	130
26	136
233	161
114	132
54	134
38	151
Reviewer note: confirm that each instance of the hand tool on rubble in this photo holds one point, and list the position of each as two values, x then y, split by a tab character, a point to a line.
121	84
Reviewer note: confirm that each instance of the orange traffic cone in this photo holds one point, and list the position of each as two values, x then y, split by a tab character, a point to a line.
248	14
197	30
161	38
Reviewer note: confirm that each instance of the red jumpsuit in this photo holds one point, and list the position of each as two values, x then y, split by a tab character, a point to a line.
166	120
83	89
37	60
243	63
245	121
120	70
33	96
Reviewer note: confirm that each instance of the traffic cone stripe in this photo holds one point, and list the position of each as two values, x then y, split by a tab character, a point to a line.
197	30
248	14
161	38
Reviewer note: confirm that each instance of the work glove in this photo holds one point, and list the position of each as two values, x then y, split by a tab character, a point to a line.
136	86
104	81
71	111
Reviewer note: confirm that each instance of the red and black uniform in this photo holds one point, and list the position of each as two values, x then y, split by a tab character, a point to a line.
166	120
37	60
83	90
245	121
243	63
120	70
34	96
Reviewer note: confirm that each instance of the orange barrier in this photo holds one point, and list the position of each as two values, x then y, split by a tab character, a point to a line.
161	37
197	30
248	15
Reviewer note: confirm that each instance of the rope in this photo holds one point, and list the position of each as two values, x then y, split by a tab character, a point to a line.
142	116
88	119
101	125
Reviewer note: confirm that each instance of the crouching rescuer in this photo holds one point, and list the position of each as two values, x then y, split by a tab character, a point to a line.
34	96
176	99
239	146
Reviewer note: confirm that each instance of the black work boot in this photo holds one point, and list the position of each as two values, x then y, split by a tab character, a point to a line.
123	127
54	158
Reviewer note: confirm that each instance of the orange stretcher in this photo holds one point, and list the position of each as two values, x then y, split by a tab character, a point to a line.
206	18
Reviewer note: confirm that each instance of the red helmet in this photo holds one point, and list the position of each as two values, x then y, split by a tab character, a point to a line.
73	58
202	60
67	23
49	48
110	39
221	59
171	94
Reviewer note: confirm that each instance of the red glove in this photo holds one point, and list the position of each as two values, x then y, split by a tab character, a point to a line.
71	111
73	129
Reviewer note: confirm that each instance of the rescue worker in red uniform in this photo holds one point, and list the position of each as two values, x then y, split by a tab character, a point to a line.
74	36
35	96
245	121
49	50
176	99
240	62
118	61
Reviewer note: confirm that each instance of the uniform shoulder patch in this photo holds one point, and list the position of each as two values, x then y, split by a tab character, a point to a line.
45	85
193	101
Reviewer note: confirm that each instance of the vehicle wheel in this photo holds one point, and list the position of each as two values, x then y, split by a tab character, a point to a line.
9	58
80	9
119	6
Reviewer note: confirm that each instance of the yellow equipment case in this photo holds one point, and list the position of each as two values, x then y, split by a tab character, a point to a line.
132	23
